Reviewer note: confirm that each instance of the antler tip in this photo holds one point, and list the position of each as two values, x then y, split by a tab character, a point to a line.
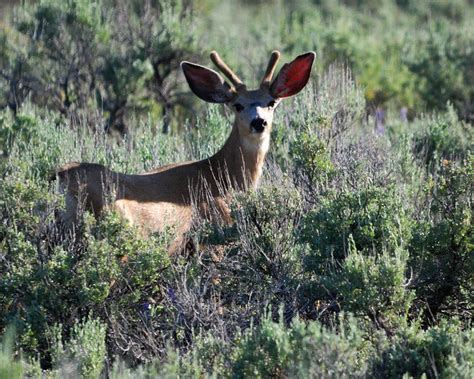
274	58
276	53
216	59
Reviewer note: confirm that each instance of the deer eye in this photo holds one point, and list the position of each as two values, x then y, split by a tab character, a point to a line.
238	107
271	104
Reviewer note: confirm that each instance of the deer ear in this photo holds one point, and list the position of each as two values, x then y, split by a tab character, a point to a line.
206	83
293	76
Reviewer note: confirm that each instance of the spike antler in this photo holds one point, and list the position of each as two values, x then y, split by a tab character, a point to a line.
216	59
267	78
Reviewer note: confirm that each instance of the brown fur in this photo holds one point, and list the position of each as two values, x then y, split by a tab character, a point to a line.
163	197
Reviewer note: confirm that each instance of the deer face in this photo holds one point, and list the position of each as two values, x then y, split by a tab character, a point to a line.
254	112
253	109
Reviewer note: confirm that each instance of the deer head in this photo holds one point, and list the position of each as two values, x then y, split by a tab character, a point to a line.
253	108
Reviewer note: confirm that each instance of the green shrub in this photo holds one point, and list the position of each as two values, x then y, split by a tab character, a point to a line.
110	265
443	240
374	217
256	262
311	157
441	57
301	349
372	286
78	54
441	137
386	79
443	351
9	367
22	128
84	353
266	218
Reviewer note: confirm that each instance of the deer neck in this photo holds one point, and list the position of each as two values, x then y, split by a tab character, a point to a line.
242	157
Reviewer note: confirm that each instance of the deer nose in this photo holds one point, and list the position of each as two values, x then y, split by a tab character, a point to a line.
258	124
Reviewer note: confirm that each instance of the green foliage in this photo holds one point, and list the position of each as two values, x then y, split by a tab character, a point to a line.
386	79
441	57
268	350
442	137
85	350
444	239
373	217
259	264
9	368
307	349
311	157
210	134
267	218
372	285
78	54
443	351
23	128
120	266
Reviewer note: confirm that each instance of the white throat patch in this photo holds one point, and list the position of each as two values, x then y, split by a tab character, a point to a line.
256	143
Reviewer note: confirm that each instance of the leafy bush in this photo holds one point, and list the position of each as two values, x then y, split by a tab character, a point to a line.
78	55
441	58
110	263
9	368
22	128
84	353
274	350
374	218
443	351
257	259
443	240
372	286
442	137
312	159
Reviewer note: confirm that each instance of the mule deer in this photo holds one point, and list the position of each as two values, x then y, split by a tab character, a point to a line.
165	197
